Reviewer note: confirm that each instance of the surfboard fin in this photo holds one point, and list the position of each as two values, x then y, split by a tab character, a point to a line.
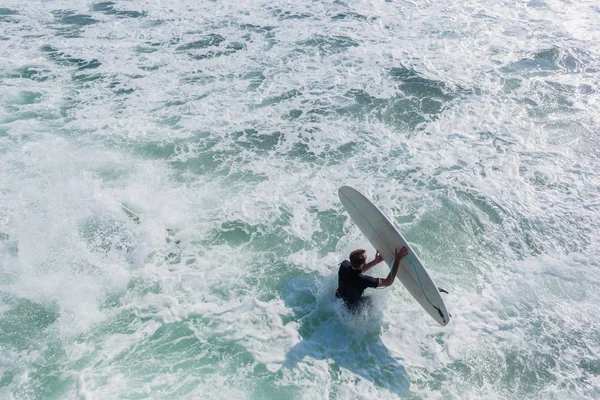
442	290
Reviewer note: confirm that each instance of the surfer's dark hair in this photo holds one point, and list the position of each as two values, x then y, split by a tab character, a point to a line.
357	257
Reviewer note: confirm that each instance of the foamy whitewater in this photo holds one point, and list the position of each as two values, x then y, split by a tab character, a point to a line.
169	219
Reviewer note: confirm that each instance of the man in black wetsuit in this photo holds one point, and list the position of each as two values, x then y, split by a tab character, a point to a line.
351	281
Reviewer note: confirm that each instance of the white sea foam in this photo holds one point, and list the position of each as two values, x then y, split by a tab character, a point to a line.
472	125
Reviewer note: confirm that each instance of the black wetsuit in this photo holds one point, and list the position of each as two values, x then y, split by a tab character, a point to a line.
352	284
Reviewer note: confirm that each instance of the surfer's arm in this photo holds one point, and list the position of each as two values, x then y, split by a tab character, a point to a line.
392	275
373	263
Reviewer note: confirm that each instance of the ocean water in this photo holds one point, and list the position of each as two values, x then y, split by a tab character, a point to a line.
169	220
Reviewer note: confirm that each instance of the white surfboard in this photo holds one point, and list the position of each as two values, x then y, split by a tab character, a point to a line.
385	238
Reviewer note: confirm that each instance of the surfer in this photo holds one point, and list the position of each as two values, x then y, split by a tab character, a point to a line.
351	279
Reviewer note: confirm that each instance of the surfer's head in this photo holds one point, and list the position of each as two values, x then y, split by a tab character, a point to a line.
358	258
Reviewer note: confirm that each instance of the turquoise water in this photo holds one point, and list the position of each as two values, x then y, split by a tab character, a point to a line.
170	227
